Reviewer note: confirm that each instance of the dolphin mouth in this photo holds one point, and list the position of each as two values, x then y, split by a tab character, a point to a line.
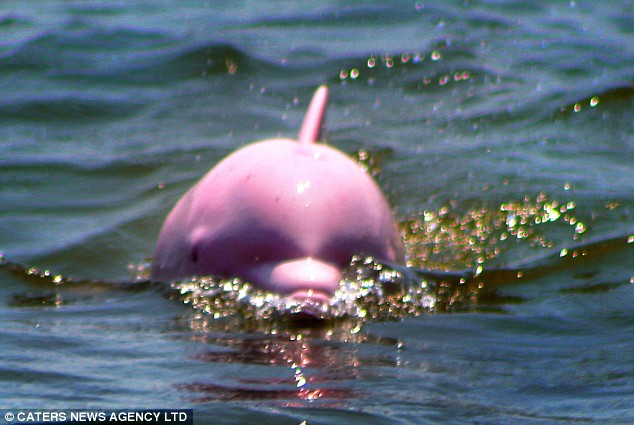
310	296
307	308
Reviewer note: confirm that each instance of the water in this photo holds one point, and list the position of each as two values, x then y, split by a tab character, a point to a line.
474	116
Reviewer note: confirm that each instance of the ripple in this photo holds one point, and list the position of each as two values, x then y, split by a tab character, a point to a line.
67	110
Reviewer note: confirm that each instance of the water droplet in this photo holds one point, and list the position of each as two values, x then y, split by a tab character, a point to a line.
232	67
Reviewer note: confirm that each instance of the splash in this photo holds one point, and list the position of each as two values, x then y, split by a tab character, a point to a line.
443	64
448	239
369	289
455	256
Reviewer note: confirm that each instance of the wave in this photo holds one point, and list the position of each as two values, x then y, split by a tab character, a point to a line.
69	48
71	108
120	57
124	56
610	95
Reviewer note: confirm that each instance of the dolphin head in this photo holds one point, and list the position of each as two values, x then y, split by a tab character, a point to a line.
285	215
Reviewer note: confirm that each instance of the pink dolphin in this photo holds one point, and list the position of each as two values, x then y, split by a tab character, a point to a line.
284	215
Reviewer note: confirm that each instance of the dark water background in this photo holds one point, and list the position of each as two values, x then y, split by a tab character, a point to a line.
110	110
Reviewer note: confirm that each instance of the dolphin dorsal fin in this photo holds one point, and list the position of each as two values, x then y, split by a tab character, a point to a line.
315	116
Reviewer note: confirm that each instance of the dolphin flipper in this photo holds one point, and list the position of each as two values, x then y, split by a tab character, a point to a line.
314	120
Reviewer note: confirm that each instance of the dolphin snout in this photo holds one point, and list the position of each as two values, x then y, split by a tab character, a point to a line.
302	278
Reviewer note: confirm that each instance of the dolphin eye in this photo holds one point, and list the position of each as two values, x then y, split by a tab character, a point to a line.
193	254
